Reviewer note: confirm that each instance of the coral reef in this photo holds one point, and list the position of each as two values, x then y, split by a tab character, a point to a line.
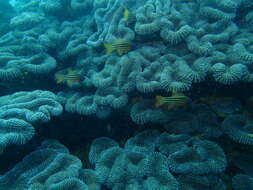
140	166
198	118
239	128
145	112
198	157
49	39
21	110
242	182
109	61
49	167
135	166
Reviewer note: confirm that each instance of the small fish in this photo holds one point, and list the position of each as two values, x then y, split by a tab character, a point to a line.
128	16
174	101
121	46
70	78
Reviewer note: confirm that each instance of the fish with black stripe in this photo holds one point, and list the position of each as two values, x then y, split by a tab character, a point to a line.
176	100
121	46
71	77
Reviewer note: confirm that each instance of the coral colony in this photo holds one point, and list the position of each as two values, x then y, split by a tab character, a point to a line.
126	95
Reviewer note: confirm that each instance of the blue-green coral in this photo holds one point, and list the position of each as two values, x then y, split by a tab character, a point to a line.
145	112
239	128
49	167
140	166
175	44
21	110
242	182
199	157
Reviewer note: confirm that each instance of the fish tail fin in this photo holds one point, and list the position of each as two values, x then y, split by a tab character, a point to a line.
109	48
70	83
126	14
159	101
59	78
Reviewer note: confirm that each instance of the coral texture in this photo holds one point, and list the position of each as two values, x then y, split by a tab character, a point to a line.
21	111
49	167
112	60
239	128
138	165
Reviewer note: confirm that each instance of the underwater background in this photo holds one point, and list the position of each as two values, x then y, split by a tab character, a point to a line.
126	94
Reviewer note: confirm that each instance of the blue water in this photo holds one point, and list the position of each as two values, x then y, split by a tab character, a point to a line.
126	95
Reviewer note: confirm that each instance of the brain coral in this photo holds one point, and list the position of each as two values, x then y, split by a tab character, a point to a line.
84	104
14	131
143	142
176	77
106	162
40	64
110	23
239	128
136	166
91	179
158	175
229	74
98	146
21	110
81	6
242	182
149	79
197	118
52	7
112	96
170	143
49	167
200	157
26	20
145	112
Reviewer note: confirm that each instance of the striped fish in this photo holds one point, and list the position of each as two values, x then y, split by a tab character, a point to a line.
128	16
121	46
70	78
174	101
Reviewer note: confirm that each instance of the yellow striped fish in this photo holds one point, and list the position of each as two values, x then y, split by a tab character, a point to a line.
128	16
70	78
121	46
174	101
